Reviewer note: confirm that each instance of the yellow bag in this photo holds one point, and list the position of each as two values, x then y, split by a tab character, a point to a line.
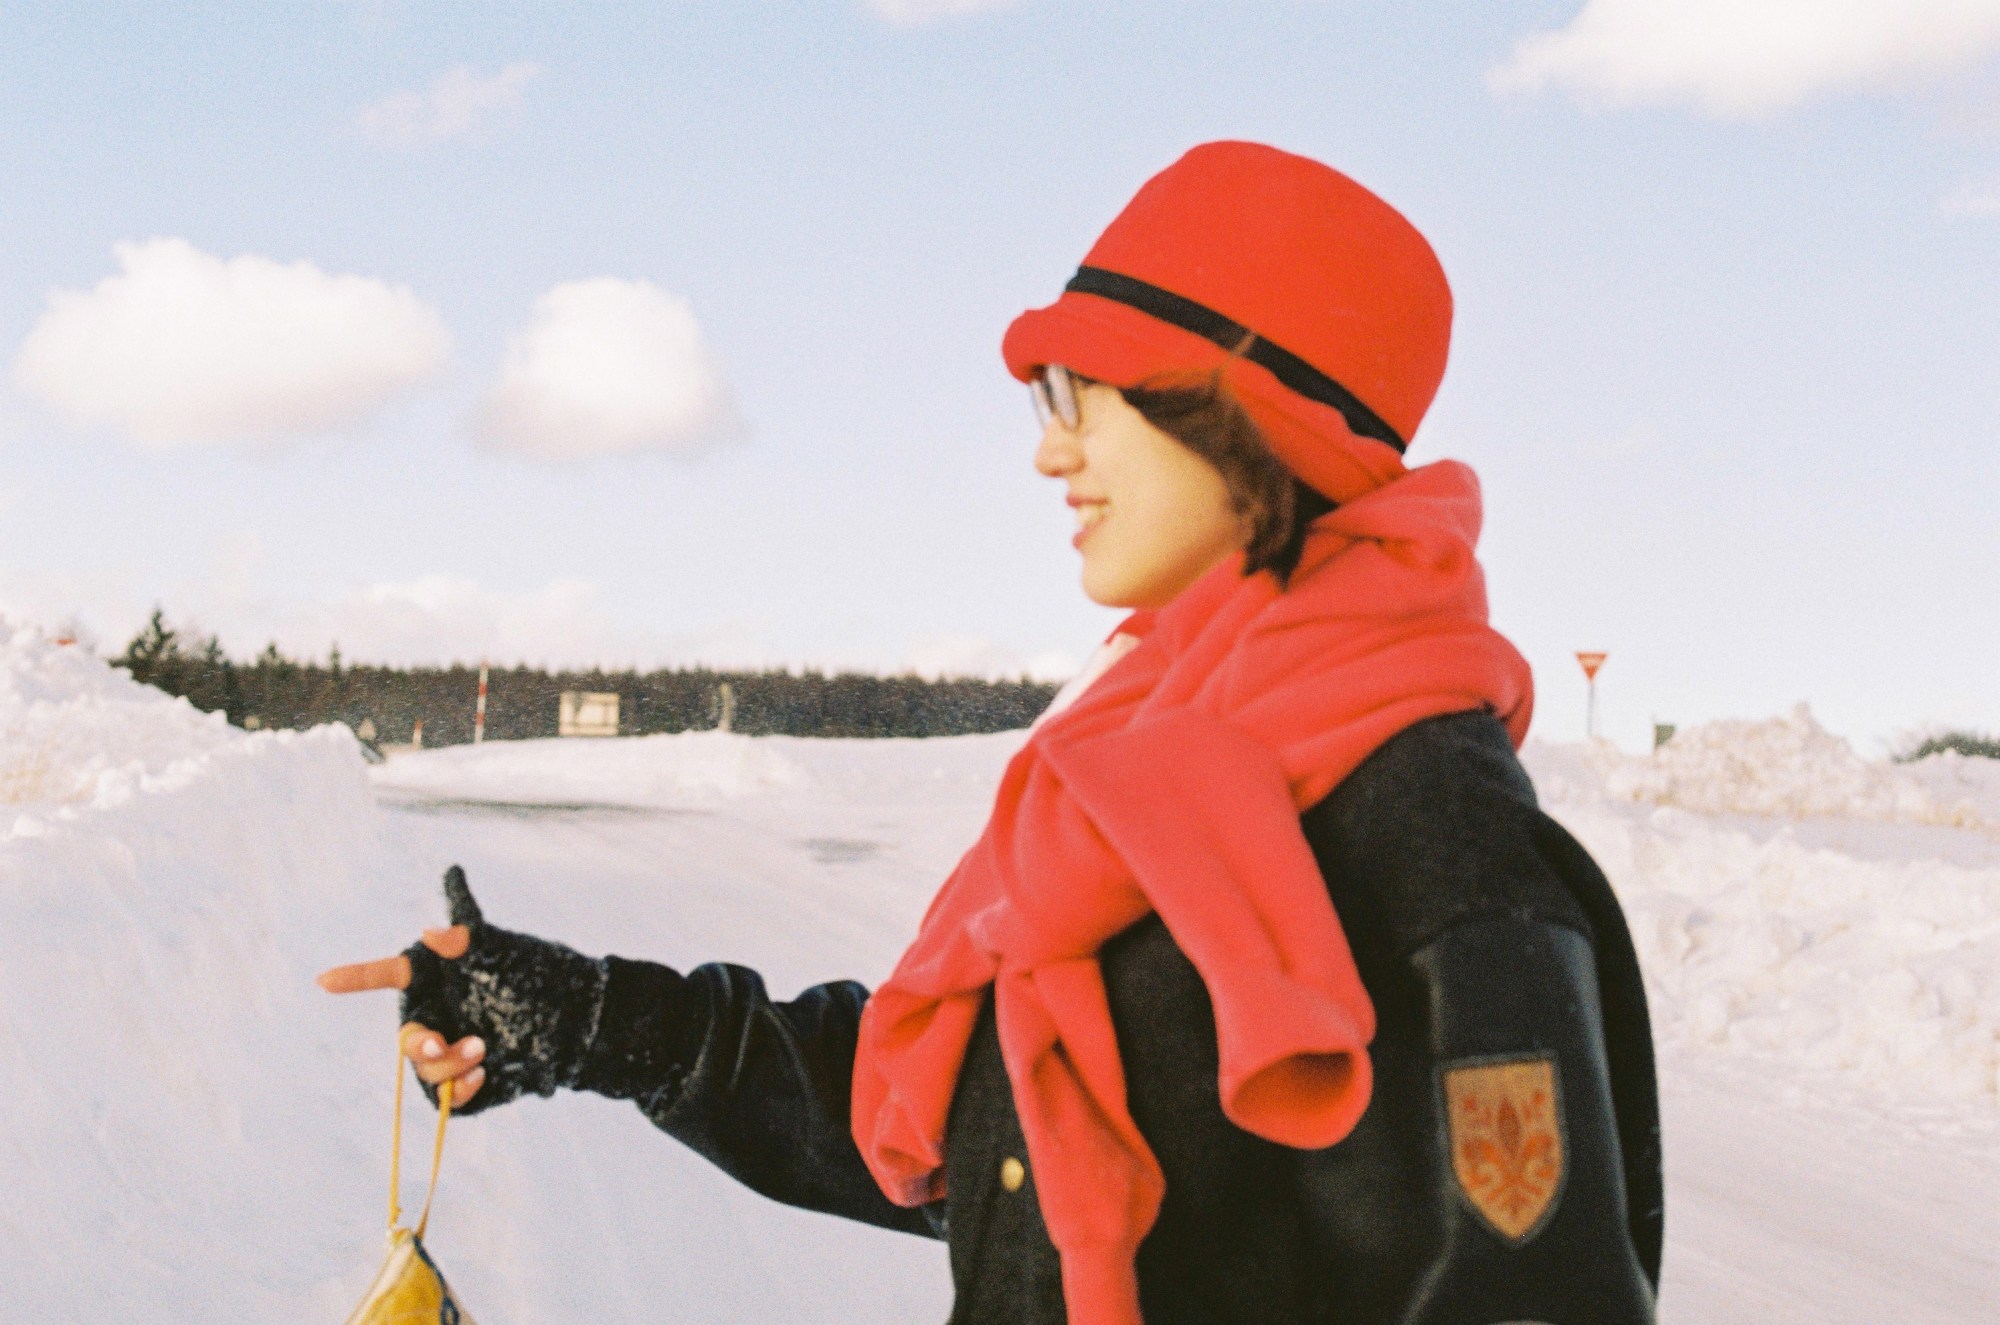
409	1289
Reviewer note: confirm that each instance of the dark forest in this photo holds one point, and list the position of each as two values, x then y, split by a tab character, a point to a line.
274	691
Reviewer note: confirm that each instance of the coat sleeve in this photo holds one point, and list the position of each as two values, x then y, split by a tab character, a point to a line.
1507	1167
1485	1183
760	1088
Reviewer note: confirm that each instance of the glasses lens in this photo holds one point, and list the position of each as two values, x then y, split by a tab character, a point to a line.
1038	391
1062	395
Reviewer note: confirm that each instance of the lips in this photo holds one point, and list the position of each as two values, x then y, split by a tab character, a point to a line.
1089	514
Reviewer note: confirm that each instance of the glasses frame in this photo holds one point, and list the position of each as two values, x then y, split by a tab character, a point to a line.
1053	389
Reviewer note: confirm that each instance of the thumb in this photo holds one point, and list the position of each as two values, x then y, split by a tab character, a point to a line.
450	944
464	911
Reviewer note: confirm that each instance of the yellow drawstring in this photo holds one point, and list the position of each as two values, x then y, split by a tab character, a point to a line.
396	1151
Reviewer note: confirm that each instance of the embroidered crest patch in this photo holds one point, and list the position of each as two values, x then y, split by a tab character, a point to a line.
1507	1141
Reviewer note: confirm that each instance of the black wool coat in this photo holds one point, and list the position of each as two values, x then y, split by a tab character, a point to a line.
1499	963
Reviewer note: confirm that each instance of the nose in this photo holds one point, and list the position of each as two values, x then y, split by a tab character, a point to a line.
1058	453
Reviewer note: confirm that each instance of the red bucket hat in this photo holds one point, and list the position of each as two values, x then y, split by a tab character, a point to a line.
1325	311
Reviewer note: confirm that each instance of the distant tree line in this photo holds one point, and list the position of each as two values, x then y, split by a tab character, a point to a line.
272	690
1971	744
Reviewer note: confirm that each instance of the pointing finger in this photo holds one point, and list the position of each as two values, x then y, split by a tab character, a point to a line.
388	973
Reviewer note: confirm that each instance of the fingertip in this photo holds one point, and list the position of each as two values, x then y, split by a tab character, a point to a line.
340	980
449	942
420	1043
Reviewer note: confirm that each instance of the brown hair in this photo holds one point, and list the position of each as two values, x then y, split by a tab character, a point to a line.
1203	416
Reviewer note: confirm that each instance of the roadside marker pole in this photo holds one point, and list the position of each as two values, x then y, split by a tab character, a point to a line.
1590	663
479	712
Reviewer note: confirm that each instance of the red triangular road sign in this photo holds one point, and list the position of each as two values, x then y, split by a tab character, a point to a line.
1591	662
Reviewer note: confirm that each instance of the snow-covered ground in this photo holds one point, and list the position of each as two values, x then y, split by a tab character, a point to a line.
1854	954
193	1132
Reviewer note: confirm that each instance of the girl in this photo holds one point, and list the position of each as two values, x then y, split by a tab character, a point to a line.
1267	994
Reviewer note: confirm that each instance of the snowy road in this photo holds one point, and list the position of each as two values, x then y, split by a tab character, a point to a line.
1788	1213
1781	1209
590	1213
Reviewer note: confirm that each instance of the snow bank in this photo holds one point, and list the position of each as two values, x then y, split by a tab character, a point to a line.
664	771
1794	768
1833	918
74	732
167	884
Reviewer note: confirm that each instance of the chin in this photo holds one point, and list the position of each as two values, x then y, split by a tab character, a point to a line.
1106	595
1127	597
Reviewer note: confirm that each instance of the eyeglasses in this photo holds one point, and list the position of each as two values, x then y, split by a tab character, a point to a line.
1054	392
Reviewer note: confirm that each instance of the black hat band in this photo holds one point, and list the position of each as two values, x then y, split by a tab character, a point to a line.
1288	368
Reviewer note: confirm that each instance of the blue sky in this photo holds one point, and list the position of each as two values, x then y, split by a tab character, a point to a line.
1728	291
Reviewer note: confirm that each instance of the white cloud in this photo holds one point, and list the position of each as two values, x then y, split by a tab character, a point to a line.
452	107
422	620
925	11
237	564
608	367
975	656
449	618
441	618
183	347
1974	202
1743	58
574	623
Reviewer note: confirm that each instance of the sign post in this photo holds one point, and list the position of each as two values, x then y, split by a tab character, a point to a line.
479	711
1590	663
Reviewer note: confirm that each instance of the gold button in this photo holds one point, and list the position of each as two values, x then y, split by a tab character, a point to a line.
1012	1173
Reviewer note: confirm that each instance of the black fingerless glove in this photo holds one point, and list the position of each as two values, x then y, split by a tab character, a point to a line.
535	1003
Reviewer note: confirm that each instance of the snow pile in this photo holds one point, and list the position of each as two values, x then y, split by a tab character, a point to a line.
664	771
75	732
1852	947
167	887
1790	767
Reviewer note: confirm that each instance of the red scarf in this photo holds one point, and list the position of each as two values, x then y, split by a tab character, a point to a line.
1175	784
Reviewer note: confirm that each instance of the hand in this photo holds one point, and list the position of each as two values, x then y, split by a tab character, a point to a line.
436	1061
485	1006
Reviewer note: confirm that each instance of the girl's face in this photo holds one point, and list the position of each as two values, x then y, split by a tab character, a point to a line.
1151	516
